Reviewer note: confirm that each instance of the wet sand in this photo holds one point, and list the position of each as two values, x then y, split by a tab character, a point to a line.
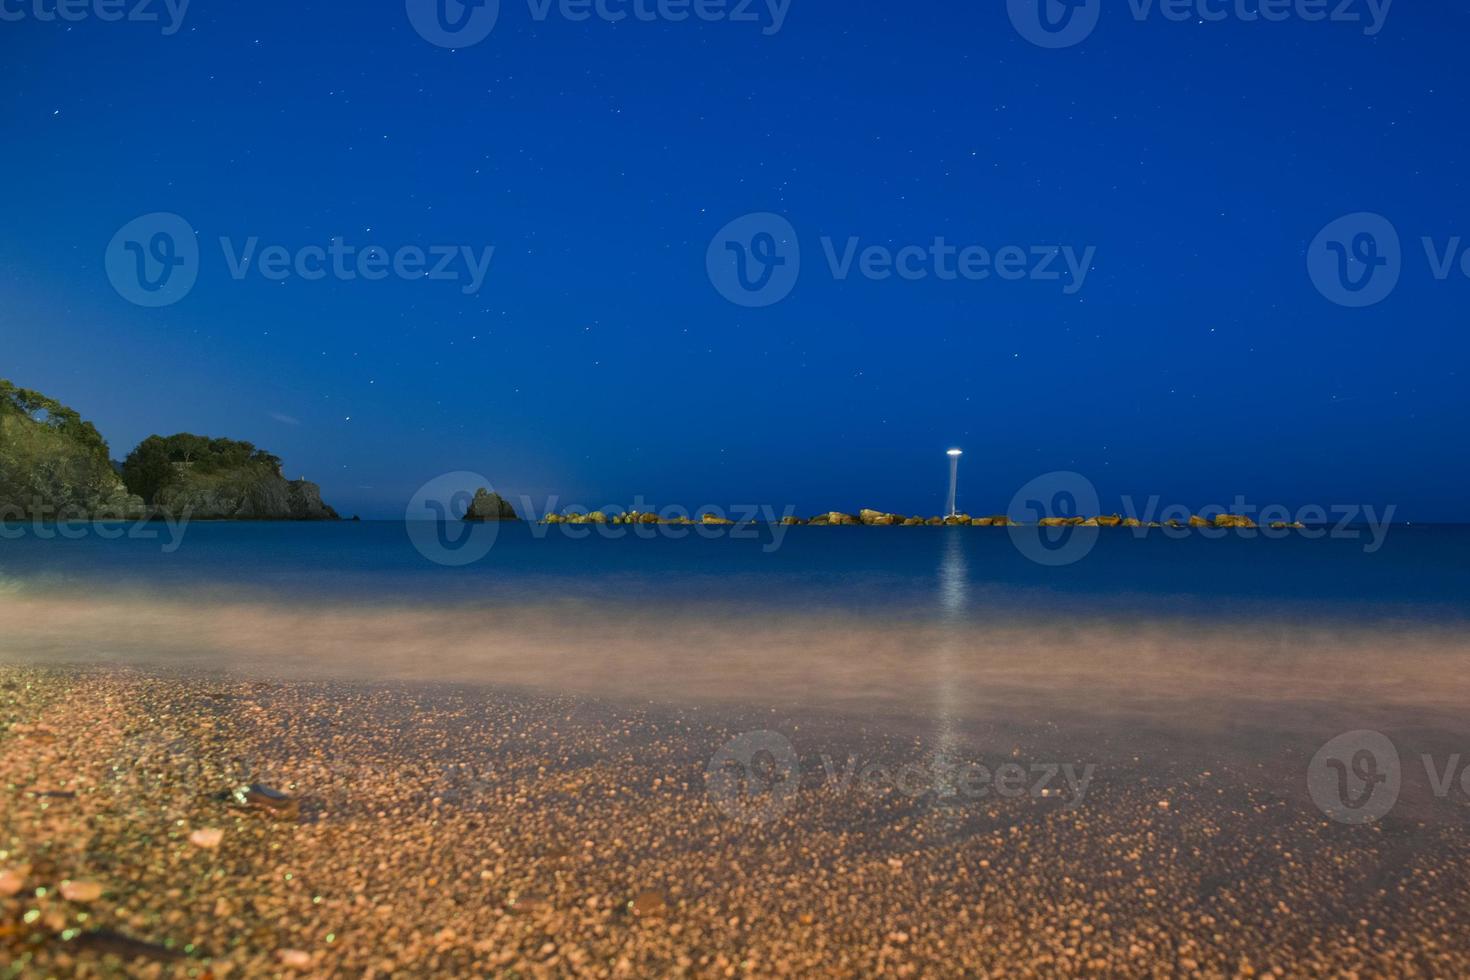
460	830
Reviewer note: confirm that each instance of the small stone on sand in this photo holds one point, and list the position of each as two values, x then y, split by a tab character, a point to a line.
207	837
11	882
647	903
294	958
81	891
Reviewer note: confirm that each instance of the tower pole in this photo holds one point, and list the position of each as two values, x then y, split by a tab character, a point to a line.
954	480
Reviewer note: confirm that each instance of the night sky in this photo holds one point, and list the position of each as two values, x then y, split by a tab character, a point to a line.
598	361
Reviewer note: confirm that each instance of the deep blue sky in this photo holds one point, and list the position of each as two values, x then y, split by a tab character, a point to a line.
598	362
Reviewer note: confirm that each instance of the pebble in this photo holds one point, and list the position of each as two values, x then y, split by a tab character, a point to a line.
124	947
648	903
81	891
272	801
207	837
294	958
567	864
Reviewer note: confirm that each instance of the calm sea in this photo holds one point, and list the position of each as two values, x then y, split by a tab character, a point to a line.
1414	573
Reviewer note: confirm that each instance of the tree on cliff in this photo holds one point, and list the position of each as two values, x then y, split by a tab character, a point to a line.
53	463
155	463
48	412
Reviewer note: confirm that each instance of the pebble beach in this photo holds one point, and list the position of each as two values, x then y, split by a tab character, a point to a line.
179	824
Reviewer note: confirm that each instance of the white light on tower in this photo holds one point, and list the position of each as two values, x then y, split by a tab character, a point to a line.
954	480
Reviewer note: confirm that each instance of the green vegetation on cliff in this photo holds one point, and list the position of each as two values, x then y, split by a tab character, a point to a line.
53	463
159	461
219	478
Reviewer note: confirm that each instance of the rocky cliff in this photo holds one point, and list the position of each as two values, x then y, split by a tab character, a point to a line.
219	479
253	492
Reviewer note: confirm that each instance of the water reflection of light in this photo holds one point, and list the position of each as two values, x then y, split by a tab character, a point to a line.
953	576
953	594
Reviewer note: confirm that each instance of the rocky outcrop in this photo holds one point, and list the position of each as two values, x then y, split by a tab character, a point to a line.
868	517
877	518
834	519
488	506
251	492
54	465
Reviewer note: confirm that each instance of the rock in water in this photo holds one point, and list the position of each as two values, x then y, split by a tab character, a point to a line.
489	506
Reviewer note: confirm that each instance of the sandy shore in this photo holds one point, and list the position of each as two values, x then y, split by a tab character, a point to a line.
454	831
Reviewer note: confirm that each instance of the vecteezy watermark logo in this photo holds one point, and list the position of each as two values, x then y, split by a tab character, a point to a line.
1065	23
755	261
1044	507
153	260
453	23
754	777
1055	23
1356	260
111	11
739	522
436	523
46	522
461	23
170	766
1356	777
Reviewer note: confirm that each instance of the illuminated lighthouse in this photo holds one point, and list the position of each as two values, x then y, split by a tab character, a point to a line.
951	508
